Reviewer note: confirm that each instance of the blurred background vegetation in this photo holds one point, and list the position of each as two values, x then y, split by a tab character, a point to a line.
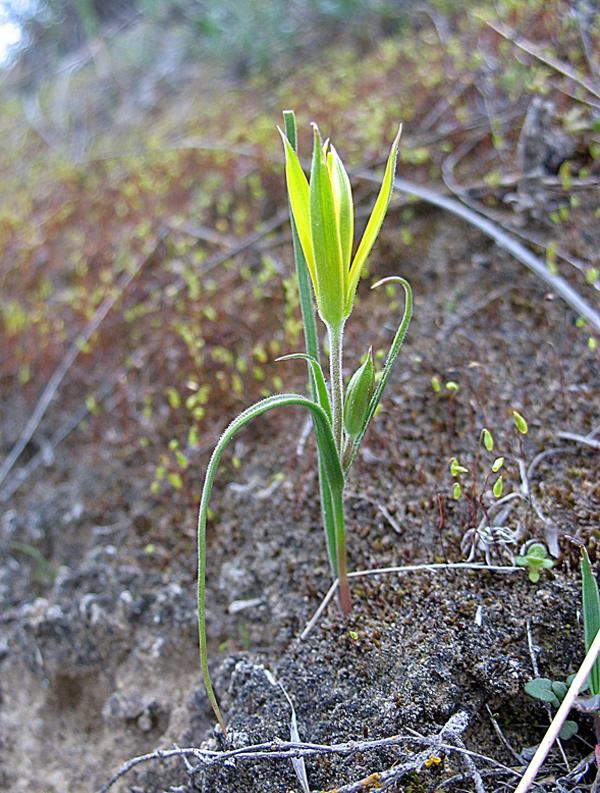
142	211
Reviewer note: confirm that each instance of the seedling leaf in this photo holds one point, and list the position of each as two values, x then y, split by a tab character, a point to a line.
568	730
591	615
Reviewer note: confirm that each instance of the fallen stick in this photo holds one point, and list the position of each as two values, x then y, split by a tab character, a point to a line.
501	238
532	49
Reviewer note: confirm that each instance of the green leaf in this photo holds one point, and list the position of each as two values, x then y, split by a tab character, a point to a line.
374	224
537	551
342	196
456	491
329	271
560	689
497	464
317	371
488	440
312	349
541	688
298	192
335	481
389	363
591	615
497	489
358	396
520	423
568	730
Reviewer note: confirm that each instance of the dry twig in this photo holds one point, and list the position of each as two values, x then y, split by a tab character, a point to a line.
501	238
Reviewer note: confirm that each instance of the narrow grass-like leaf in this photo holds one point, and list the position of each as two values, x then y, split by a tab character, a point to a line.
374	224
317	373
591	615
298	192
333	472
312	348
306	301
389	363
330	274
342	195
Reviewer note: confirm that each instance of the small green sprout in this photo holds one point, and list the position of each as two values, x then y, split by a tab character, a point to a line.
520	423
456	468
497	464
452	386
552	692
436	384
488	440
322	219
456	491
497	489
358	397
535	560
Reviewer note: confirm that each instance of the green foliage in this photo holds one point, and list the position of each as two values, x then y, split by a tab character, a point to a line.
358	397
322	217
591	614
552	692
520	423
535	559
488	440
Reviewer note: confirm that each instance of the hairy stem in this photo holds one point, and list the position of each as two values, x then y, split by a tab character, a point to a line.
345	599
337	383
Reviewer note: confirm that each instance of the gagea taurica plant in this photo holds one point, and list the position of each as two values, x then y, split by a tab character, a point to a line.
329	259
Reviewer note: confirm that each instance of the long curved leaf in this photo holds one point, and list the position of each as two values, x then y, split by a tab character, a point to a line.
312	349
389	363
317	372
335	480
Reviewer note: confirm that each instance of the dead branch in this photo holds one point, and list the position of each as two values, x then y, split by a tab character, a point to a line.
532	49
502	239
277	749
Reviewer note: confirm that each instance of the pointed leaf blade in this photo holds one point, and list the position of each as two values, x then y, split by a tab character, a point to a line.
342	193
298	192
327	249
335	480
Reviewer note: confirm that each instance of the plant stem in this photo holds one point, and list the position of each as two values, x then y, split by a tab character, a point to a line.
345	599
337	383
